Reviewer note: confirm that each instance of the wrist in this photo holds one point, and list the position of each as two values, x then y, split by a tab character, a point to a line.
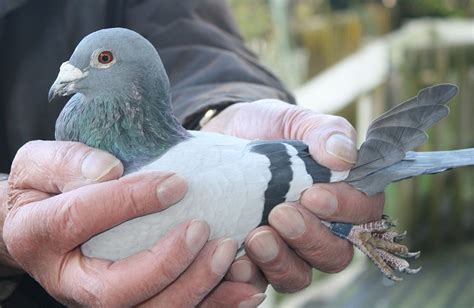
221	120
201	119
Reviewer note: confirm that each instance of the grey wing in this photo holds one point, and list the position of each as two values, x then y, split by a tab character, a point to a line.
398	131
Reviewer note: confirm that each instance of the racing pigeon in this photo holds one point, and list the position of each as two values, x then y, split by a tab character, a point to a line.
122	104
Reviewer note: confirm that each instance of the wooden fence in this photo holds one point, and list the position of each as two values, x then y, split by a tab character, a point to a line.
436	210
439	210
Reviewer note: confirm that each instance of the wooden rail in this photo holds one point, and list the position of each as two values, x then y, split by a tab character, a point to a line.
439	209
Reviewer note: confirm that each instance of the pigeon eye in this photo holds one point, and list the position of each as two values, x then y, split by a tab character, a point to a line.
105	57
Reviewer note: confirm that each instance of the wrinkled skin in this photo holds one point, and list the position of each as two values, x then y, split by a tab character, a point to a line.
54	189
55	207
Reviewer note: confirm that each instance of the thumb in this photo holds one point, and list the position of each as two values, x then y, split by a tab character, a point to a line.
58	166
331	139
331	147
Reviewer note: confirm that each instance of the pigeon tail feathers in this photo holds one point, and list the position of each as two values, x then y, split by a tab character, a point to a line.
401	129
414	164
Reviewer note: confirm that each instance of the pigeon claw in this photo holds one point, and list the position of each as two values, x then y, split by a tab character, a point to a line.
381	245
400	237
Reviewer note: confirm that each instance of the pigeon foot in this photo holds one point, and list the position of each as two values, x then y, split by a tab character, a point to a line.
381	246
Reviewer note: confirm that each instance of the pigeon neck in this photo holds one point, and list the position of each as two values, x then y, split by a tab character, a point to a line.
131	128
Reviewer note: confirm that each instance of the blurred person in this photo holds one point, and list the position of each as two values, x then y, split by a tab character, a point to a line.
62	193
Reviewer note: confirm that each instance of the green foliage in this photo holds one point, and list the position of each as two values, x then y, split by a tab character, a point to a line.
437	8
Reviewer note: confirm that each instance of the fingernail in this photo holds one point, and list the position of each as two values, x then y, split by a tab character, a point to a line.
263	246
288	221
197	235
223	256
241	271
342	147
322	203
172	189
253	301
97	164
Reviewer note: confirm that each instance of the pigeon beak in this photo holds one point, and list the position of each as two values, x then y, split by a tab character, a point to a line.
65	82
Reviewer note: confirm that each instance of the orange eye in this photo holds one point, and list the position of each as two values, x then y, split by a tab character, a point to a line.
105	57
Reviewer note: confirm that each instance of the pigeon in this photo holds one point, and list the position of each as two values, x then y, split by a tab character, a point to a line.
121	103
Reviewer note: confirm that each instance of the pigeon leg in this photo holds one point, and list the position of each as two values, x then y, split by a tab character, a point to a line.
390	246
392	236
381	245
397	263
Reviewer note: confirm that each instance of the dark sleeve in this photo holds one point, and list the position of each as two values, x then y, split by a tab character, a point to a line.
204	55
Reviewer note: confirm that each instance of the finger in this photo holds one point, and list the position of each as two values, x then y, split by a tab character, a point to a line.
331	139
233	294
112	203
244	270
66	219
283	269
305	233
58	166
200	278
341	202
146	273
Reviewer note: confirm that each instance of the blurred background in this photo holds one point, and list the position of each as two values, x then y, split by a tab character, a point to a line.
357	59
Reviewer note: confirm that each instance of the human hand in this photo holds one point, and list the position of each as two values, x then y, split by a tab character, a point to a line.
62	193
331	141
8	266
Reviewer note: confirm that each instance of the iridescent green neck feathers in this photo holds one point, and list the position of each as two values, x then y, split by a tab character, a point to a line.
133	129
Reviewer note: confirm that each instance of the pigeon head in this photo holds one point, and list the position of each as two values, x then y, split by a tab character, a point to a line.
112	62
121	101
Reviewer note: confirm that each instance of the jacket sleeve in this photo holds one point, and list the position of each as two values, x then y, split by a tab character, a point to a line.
204	55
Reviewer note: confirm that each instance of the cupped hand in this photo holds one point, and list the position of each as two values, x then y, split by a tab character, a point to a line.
63	193
296	240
